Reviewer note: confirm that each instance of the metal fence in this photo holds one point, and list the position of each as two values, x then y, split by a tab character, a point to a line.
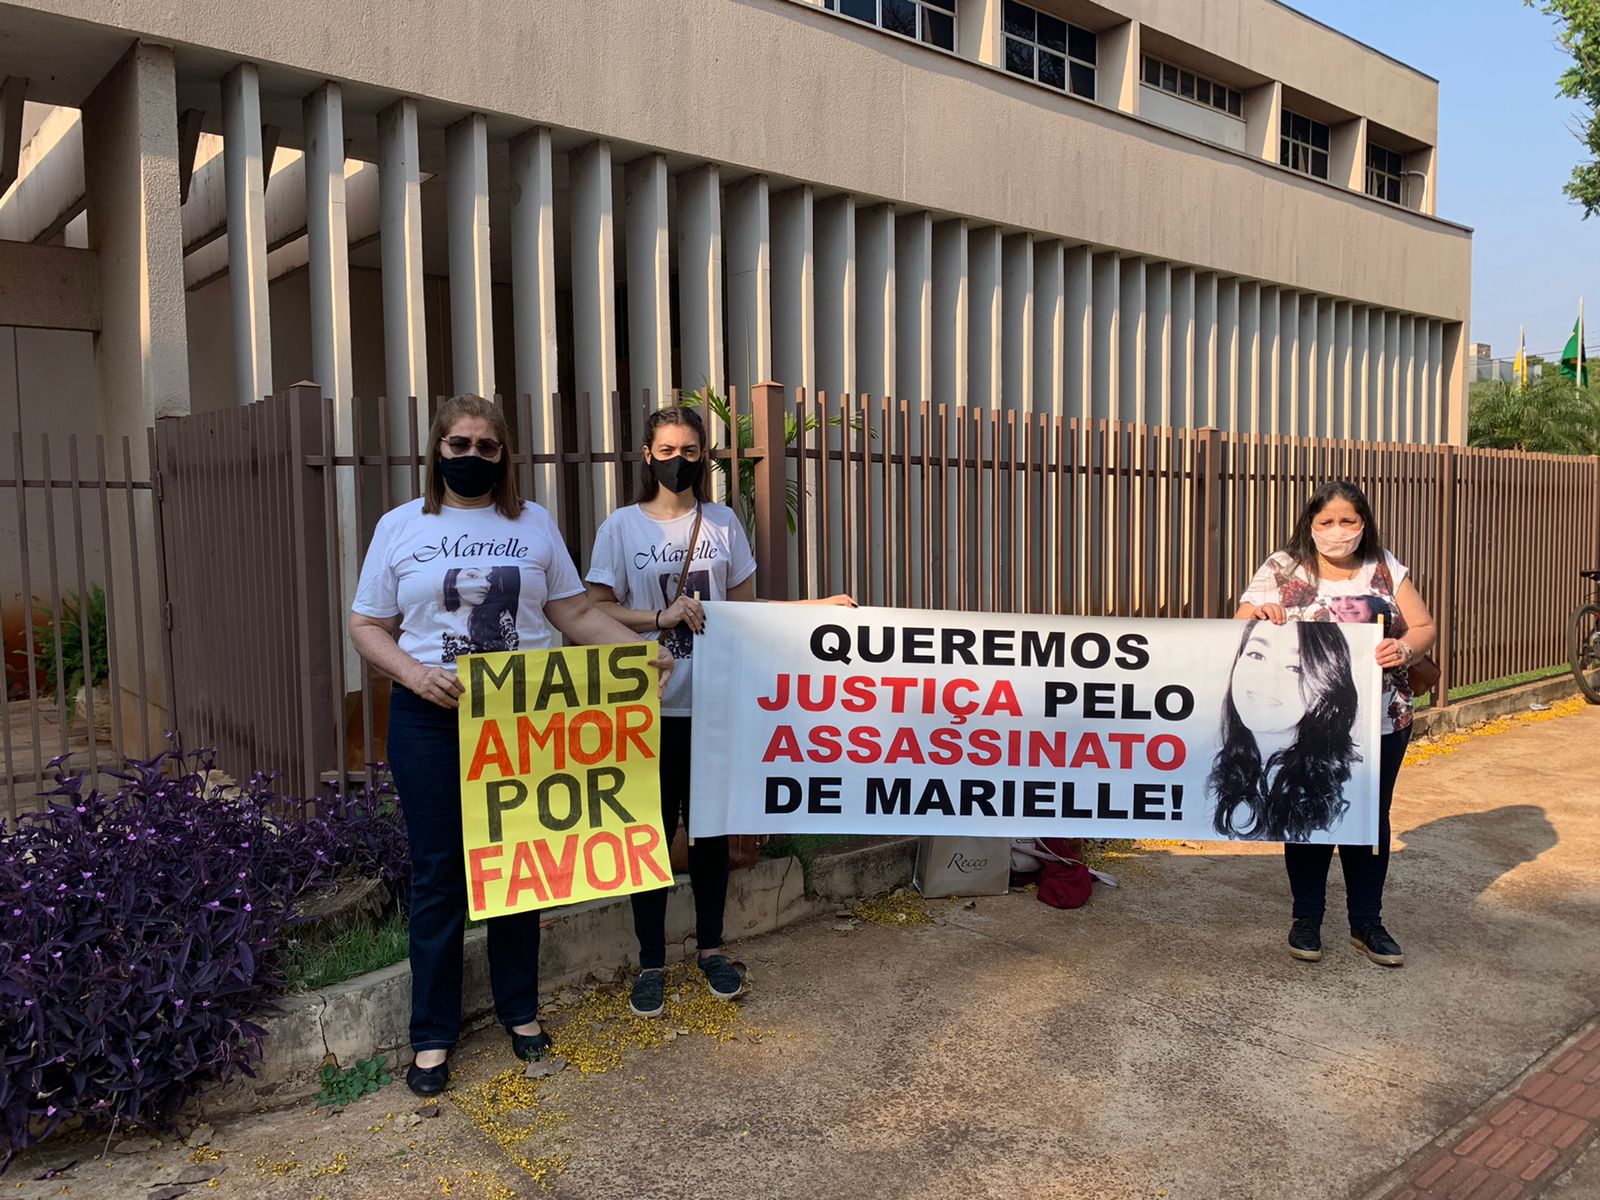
915	504
227	571
85	657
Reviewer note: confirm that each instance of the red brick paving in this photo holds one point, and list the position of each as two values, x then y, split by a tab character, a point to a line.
1511	1148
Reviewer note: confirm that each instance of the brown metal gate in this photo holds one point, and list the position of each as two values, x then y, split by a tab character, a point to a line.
246	536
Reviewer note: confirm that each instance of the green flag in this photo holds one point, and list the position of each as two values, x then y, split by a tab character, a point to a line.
1573	364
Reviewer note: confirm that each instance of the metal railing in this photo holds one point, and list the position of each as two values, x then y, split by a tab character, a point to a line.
85	663
226	570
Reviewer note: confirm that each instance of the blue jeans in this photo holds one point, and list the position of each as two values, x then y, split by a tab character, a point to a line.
1365	870
425	756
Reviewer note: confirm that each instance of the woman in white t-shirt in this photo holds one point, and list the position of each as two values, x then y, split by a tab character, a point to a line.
470	568
654	564
1336	569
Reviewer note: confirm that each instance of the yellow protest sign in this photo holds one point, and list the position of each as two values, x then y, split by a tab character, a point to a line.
560	791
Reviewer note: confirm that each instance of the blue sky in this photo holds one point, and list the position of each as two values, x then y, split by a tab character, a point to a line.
1505	150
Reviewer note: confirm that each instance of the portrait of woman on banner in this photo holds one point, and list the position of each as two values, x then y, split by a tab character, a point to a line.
1288	734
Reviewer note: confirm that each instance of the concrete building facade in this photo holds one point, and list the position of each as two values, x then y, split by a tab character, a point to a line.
1217	213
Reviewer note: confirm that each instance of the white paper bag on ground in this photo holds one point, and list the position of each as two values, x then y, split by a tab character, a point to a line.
963	866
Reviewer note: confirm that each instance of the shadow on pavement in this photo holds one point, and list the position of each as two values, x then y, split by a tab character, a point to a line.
1476	849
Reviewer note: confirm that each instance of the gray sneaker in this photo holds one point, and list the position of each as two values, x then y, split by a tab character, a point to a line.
722	977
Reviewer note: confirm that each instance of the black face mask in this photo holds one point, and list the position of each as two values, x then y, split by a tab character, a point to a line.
470	476
677	475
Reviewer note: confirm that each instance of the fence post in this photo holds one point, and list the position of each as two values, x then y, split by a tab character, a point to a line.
1208	507
1444	648
319	709
771	498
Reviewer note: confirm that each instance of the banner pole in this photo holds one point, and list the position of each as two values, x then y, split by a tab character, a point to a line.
1377	832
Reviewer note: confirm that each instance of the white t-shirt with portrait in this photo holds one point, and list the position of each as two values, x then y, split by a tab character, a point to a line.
640	559
465	580
1358	600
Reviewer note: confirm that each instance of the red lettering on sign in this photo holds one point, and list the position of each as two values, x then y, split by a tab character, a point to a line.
613	844
1090	750
481	875
643	842
633	720
553	734
524	877
491	751
559	873
598	721
783	745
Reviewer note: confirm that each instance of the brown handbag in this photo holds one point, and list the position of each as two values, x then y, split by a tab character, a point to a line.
744	849
1423	675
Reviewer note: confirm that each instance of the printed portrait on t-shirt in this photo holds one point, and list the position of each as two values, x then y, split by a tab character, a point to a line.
1358	610
484	602
680	639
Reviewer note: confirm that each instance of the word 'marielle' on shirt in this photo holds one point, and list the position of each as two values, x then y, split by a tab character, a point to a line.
673	554
462	548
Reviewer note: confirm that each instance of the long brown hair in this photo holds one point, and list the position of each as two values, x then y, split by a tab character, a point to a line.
507	499
689	419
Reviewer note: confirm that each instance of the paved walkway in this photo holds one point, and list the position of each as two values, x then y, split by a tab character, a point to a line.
1159	1043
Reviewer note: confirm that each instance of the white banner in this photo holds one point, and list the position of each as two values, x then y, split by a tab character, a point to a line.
901	721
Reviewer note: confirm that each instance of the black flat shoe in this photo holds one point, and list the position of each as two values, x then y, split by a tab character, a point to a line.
428	1081
530	1047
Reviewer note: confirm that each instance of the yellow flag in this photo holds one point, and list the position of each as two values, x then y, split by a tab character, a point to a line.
560	788
1519	366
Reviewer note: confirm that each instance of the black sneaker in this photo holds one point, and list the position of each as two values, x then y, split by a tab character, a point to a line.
649	995
722	977
1305	939
1374	941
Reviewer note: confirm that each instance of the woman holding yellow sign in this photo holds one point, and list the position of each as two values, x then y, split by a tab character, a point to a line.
469	568
654	563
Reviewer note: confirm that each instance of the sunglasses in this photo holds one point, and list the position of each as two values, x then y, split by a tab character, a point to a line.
486	447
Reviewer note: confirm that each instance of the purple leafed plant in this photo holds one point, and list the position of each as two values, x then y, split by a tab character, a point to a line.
140	934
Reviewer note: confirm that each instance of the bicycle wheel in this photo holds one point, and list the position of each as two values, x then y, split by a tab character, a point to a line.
1583	646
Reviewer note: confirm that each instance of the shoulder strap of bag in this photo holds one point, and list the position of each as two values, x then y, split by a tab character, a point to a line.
688	561
1040	850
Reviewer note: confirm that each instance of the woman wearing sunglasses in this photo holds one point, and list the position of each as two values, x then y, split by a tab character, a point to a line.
470	545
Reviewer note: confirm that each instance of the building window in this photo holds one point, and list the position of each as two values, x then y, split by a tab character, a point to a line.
1196	89
1384	173
1304	145
1046	48
931	21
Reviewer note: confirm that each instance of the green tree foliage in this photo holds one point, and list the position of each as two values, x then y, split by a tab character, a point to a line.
1579	36
1552	417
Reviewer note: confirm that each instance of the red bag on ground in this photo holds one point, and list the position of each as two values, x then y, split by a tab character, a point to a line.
1064	881
1057	863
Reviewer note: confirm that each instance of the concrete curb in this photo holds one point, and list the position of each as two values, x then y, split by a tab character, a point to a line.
1431	722
370	1014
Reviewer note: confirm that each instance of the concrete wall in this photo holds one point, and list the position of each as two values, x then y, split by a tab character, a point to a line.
1071	169
1272	39
1166	109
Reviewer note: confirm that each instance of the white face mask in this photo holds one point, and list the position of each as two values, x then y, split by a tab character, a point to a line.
1337	543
